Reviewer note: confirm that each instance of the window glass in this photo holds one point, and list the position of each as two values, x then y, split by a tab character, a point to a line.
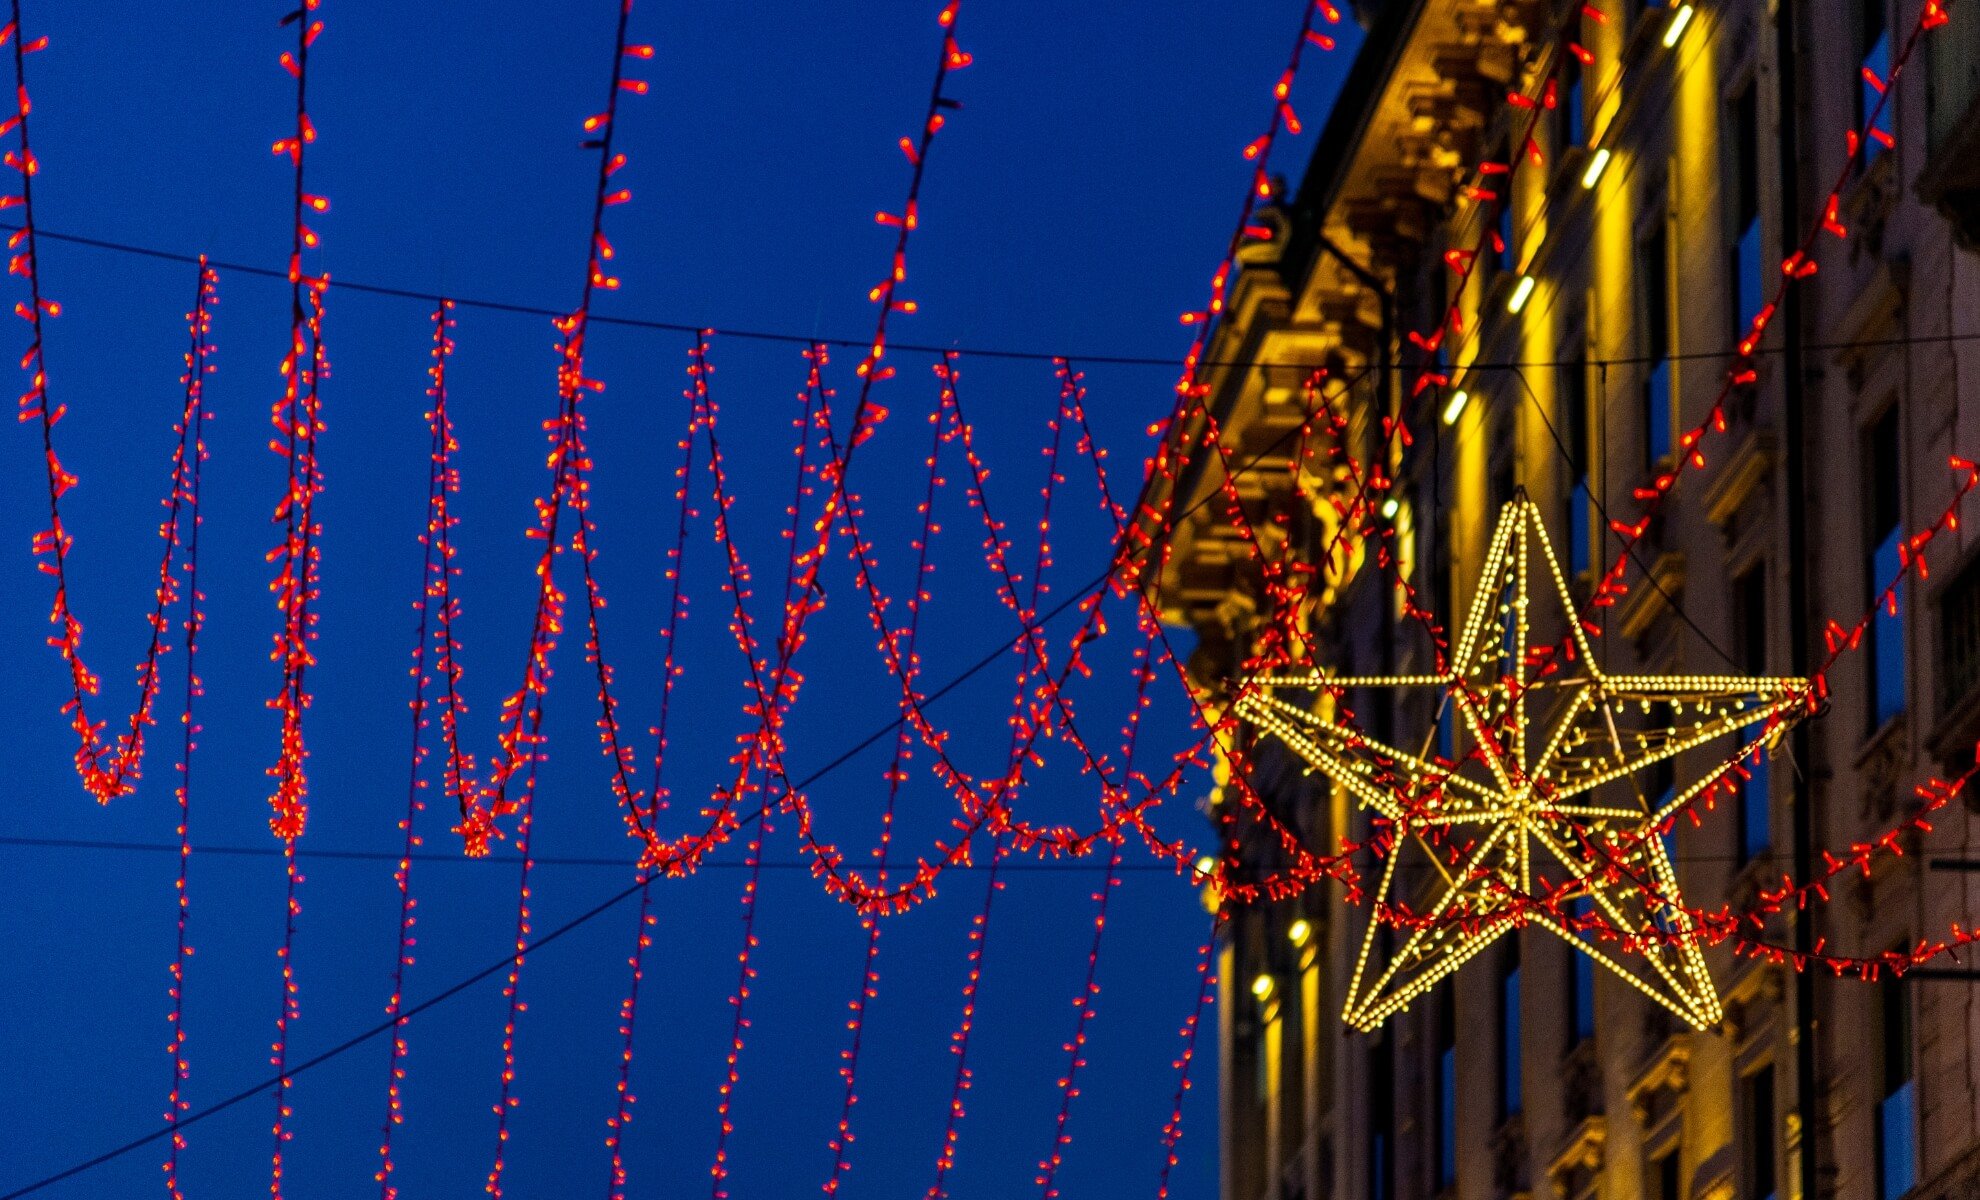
1876	44
1755	832
1510	1095
1886	648
1759	1142
1446	1088
1654	318
1897	1160
1581	980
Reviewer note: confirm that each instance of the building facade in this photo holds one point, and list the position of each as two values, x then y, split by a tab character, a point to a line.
1677	156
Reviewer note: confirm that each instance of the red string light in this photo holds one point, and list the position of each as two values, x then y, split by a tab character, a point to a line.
739	1003
894	777
1172	1129
435	572
187	461
297	418
959	1083
670	672
106	772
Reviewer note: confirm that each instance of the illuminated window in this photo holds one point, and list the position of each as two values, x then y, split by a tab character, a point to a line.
1897	1163
1886	648
1654	318
1875	35
1757	1140
1755	812
1748	276
1446	1088
1510	1089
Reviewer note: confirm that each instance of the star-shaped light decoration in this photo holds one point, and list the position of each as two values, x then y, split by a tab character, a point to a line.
1546	798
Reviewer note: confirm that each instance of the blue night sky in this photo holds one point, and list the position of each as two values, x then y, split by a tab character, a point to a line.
1076	204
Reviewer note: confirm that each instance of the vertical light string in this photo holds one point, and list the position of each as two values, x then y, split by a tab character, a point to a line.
1087	1002
435	569
297	419
771	697
895	776
1206	985
670	671
520	742
960	1081
187	463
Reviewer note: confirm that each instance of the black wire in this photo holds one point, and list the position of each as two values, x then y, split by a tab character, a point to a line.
347	1044
991	352
49	843
1025	630
1630	546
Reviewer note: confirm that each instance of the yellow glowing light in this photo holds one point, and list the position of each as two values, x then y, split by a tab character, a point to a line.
1206	867
1521	294
1532	812
1261	987
1679	20
1454	408
1596	166
1301	932
1390	508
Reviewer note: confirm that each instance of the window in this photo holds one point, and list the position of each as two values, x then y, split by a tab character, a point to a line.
1574	410
1959	637
1875	41
1757	1138
1897	1167
1581	980
1664	1174
1446	1088
1504	457
1506	254
1952	60
1382	1121
1654	315
1755	832
1510	1095
1748	275
1567	102
1886	657
1660	777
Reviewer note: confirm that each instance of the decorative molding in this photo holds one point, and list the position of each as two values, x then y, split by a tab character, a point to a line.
1576	1172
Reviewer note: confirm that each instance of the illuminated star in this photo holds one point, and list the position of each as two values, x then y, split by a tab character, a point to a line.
1516	826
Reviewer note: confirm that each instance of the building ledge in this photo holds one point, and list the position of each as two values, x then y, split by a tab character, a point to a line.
1950	181
1744	471
1648	599
1576	1172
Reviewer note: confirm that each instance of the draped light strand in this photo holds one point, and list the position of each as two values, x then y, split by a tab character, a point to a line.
186	473
435	570
894	777
297	420
960	1081
106	772
1206	987
682	854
